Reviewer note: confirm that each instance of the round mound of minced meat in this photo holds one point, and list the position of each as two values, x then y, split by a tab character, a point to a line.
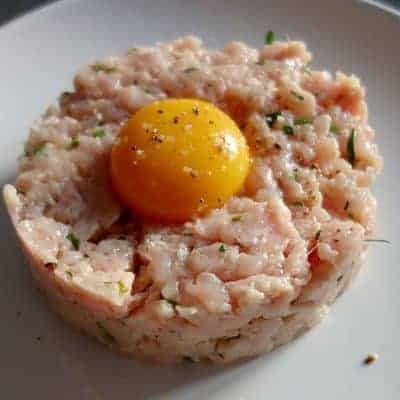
245	278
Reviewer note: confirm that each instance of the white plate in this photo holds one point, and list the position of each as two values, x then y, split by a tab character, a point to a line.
41	52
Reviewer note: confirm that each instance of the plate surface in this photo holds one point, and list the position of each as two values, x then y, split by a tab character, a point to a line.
42	358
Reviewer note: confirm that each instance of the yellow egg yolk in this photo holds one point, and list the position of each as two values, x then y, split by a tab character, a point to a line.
177	159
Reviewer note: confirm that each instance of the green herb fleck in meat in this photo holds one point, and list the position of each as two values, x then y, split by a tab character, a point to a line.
351	151
102	68
303	121
172	302
190	69
74	240
73	144
269	37
306	69
333	129
68	273
99	133
36	150
107	337
296	175
288	130
297	95
272	118
122	288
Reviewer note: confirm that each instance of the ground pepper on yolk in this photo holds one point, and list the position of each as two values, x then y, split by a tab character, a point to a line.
179	158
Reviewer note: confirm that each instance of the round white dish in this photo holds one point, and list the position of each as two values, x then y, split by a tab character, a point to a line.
43	358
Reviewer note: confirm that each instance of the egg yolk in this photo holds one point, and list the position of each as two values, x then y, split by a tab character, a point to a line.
176	159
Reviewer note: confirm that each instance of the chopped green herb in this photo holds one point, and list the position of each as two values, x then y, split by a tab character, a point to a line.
377	241
306	69
236	218
74	240
351	147
269	37
238	336
107	337
122	288
346	206
68	273
296	175
38	149
104	68
317	235
187	234
190	69
260	62
132	50
298	204
170	301
333	128
297	95
303	121
99	133
73	144
222	248
272	118
288	130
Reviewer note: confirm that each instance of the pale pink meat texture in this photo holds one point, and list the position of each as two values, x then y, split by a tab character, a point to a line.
244	278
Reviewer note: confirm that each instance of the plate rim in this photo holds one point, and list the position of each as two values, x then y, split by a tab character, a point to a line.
380	5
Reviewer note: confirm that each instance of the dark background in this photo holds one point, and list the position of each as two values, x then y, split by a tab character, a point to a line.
12	8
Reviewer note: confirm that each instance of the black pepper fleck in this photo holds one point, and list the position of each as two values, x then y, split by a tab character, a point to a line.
156	138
